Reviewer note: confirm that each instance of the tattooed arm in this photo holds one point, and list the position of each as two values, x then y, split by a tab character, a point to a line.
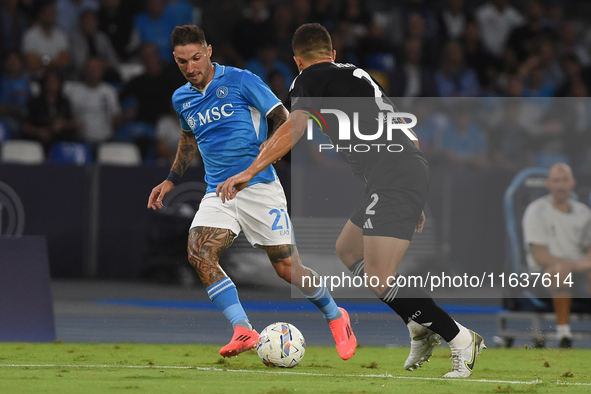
278	115
186	151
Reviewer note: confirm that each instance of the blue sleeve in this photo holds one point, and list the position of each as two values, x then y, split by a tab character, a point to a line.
177	109
257	93
184	124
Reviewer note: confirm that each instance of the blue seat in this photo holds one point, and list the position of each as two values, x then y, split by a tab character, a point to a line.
70	153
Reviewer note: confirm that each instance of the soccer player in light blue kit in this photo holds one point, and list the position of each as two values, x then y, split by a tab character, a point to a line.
223	111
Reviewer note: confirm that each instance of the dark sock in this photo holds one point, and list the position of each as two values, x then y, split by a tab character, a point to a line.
417	304
357	270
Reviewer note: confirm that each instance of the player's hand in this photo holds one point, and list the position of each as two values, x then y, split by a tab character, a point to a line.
158	193
421	223
228	189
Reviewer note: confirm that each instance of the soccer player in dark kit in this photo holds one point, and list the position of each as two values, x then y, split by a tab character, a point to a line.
396	175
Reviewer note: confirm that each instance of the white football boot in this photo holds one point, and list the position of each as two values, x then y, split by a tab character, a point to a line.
463	361
421	348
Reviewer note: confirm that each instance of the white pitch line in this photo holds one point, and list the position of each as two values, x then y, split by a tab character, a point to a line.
559	382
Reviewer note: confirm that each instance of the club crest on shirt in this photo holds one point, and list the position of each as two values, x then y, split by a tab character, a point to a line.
222	92
191	122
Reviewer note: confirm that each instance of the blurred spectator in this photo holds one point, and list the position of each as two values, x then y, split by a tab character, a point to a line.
266	62
15	93
301	12
464	142
509	142
536	86
154	27
548	62
452	20
49	116
344	54
354	20
283	29
95	104
252	30
573	76
570	42
69	11
375	51
13	24
454	79
480	60
415	29
116	21
496	19
523	39
323	12
427	13
181	13
554	17
168	129
145	98
46	45
410	78
279	86
88	41
219	20
575	109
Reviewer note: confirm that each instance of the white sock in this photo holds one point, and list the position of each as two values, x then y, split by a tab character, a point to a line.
563	331
460	341
415	329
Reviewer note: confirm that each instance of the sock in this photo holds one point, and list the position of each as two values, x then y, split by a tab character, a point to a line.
416	304
460	341
563	331
416	330
323	300
357	269
224	295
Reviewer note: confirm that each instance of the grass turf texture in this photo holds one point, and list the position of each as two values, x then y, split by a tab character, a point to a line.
99	368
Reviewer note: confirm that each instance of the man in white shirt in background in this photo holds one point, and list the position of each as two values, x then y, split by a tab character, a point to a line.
496	19
95	103
557	239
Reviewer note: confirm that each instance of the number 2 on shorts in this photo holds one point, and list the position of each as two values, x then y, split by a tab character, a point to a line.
374	201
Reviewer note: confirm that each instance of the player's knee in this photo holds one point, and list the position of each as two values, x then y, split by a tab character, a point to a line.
346	252
196	254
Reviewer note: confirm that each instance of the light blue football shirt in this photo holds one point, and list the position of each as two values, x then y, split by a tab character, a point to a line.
228	119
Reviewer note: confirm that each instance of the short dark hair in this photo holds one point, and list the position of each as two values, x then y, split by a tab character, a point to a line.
311	40
188	34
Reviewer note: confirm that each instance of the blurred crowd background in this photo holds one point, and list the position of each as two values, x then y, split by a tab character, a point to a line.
95	71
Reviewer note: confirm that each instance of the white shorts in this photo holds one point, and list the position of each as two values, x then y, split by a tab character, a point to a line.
259	210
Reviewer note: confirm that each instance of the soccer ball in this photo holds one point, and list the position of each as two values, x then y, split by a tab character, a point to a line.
281	345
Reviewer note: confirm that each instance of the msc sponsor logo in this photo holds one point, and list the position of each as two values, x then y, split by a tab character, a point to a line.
215	113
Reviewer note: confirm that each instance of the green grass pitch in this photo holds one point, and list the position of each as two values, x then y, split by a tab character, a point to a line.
101	368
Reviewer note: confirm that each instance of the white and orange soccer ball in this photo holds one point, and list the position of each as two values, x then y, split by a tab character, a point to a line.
281	345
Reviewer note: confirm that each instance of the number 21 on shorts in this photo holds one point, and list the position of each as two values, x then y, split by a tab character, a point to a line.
281	221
